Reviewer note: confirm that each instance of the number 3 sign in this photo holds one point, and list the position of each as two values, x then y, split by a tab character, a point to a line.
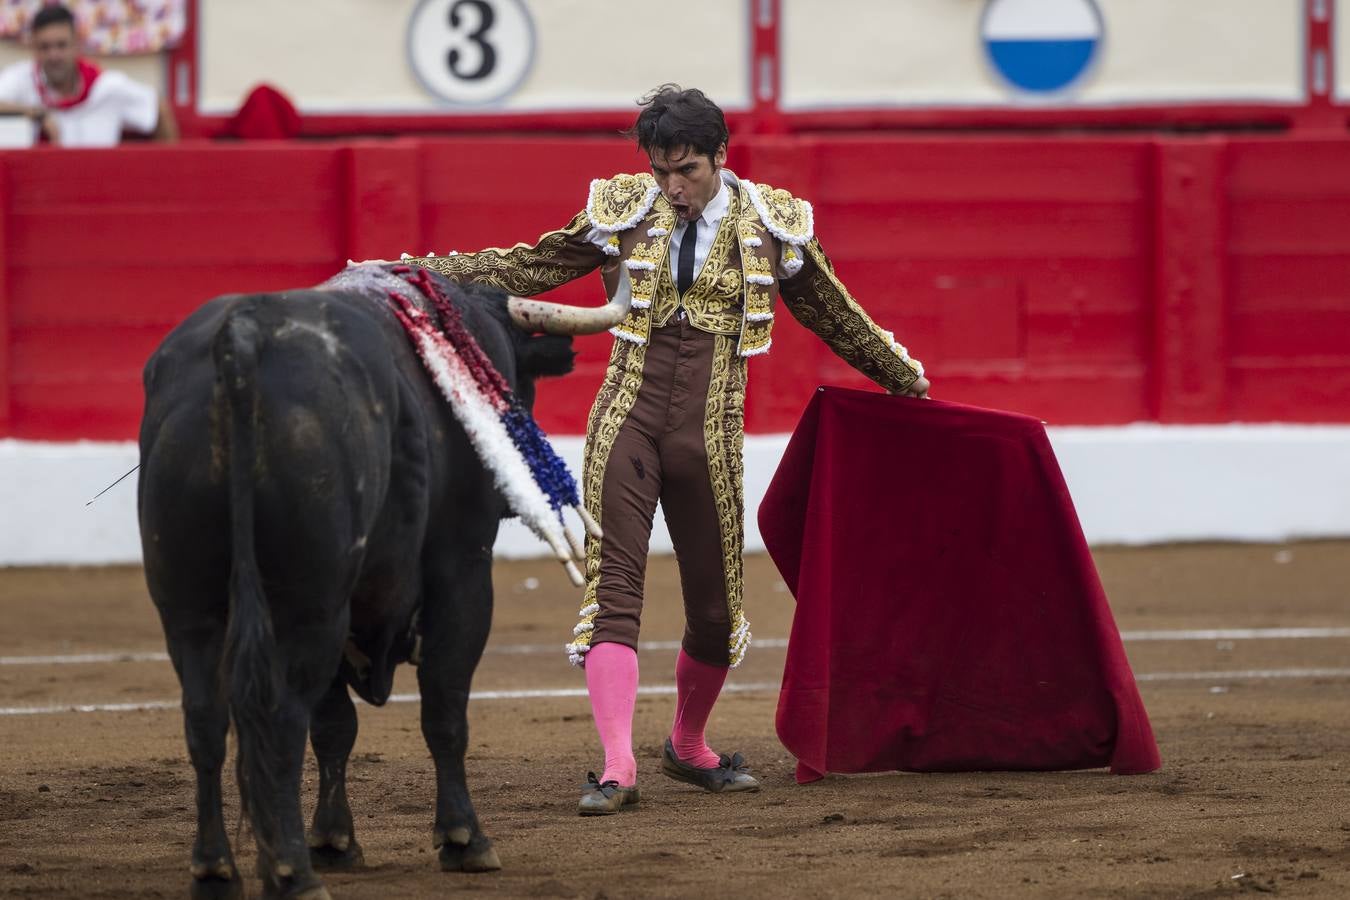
471	51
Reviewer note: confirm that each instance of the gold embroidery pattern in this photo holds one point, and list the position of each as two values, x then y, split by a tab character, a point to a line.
714	299
824	305
724	442
758	263
755	337
647	281
747	223
614	203
524	270
786	213
666	297
613	403
663	218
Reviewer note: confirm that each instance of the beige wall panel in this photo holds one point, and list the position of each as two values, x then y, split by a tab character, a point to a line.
841	53
339	56
1340	39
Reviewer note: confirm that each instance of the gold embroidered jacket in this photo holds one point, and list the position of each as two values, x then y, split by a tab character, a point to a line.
734	291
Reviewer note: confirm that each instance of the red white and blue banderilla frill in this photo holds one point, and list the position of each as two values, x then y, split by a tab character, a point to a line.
524	466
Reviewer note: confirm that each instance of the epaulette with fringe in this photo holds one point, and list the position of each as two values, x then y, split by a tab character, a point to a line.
787	218
617	204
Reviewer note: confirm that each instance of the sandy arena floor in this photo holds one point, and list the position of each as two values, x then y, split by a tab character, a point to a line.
1254	795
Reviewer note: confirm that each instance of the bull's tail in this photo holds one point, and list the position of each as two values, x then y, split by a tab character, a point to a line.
251	672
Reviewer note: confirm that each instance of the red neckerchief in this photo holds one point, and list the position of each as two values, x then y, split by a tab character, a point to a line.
88	74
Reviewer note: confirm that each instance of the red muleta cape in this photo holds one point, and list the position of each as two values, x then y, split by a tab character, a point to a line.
949	615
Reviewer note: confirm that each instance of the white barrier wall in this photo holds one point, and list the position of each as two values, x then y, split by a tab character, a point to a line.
353	56
1137	484
359	56
860	53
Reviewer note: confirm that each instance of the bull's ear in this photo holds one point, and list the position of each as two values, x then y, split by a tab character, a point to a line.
548	354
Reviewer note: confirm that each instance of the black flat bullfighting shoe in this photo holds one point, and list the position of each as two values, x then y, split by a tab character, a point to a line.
730	775
605	799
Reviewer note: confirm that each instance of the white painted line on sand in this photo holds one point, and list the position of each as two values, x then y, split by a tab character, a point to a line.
1235	634
1207	634
542	693
88	708
666	689
1243	675
77	659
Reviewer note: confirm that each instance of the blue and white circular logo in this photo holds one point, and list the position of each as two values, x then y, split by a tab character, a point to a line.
1041	46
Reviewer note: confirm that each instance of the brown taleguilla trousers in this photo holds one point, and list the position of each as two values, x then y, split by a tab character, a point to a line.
660	454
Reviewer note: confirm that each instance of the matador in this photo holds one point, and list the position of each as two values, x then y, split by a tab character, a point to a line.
703	254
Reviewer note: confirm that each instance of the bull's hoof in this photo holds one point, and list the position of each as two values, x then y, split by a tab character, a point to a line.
290	880
330	859
477	856
217	889
314	890
216	880
318	892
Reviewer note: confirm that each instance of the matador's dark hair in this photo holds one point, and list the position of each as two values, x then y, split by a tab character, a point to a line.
52	14
673	117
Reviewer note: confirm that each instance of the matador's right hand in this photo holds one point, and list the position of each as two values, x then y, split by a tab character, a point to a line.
917	388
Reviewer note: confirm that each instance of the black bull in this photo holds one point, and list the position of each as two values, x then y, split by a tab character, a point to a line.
308	500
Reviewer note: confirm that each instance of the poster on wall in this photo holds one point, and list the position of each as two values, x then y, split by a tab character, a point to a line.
108	27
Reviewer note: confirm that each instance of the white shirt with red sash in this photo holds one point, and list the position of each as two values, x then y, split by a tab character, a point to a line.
106	103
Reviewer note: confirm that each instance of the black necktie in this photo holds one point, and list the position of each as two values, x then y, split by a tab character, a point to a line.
685	276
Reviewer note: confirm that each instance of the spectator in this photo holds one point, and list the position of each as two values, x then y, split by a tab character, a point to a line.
73	102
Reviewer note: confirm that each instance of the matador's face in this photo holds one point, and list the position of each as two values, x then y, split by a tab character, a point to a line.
689	180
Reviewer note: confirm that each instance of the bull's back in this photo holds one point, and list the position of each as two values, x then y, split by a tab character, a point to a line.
309	403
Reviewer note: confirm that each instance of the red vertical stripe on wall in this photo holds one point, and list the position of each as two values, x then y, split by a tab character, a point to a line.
766	116
1319	112
1189	380
383	208
184	59
5	373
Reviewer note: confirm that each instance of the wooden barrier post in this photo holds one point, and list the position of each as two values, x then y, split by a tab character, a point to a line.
1189	377
383	199
4	300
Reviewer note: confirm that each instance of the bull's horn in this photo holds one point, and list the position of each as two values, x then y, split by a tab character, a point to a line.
559	318
578	549
592	526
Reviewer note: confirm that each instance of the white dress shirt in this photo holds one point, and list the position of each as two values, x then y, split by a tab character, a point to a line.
713	214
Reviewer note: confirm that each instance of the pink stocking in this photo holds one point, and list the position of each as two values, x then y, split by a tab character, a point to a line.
612	680
697	687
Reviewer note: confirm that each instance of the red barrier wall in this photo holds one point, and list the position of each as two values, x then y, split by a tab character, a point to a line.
1083	280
